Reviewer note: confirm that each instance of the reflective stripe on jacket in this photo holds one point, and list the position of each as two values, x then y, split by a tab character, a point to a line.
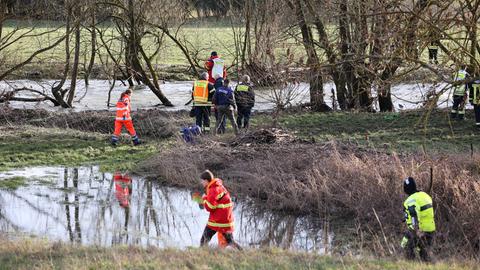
244	95
475	93
419	209
200	91
123	109
217	201
461	88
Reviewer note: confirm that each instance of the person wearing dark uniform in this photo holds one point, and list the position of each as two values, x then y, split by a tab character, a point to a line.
245	98
474	97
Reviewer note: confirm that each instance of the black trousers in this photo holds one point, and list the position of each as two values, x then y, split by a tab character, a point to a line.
202	117
458	107
243	116
209	233
476	108
432	55
422	242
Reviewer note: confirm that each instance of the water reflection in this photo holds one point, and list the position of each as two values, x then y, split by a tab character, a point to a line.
84	205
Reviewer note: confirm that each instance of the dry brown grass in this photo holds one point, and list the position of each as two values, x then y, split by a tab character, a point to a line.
149	123
361	187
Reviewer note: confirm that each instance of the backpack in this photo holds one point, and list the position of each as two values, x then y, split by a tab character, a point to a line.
217	70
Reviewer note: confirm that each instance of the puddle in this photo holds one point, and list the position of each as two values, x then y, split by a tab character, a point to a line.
86	206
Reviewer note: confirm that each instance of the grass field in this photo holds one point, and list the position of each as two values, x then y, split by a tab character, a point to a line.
34	254
405	131
202	37
401	132
33	146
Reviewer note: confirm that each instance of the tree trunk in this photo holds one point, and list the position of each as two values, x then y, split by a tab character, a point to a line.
57	91
338	77
473	40
384	91
315	75
3	16
246	40
133	49
93	47
76	60
346	73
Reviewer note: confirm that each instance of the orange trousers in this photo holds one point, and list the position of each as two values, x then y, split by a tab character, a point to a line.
128	125
222	241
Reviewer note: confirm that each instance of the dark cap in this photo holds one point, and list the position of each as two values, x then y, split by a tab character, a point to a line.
207	175
409	185
214	53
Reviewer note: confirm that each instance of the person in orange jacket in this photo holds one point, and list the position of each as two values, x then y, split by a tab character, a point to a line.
218	202
123	188
215	67
123	118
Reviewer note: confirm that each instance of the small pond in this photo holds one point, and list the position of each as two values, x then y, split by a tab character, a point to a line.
87	206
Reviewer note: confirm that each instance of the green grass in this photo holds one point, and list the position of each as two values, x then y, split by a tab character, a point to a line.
32	146
32	254
405	131
205	38
202	36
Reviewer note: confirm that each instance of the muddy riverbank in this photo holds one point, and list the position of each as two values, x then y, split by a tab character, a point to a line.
319	174
337	182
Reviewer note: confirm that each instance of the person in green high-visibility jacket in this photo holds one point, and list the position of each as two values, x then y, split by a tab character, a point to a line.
459	94
474	97
245	98
419	217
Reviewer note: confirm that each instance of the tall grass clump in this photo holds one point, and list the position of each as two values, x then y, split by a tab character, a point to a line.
341	182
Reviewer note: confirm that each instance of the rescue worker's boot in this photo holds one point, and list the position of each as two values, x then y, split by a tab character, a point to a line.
206	129
135	140
114	141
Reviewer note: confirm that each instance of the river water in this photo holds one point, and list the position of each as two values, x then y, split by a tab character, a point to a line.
95	96
86	206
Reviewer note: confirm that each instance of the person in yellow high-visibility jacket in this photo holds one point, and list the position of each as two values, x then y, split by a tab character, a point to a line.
474	97
419	217
459	94
202	93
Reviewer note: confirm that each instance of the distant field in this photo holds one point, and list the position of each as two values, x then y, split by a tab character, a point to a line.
203	38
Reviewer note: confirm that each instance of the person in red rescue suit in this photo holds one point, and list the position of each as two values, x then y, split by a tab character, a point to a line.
218	202
123	118
215	67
